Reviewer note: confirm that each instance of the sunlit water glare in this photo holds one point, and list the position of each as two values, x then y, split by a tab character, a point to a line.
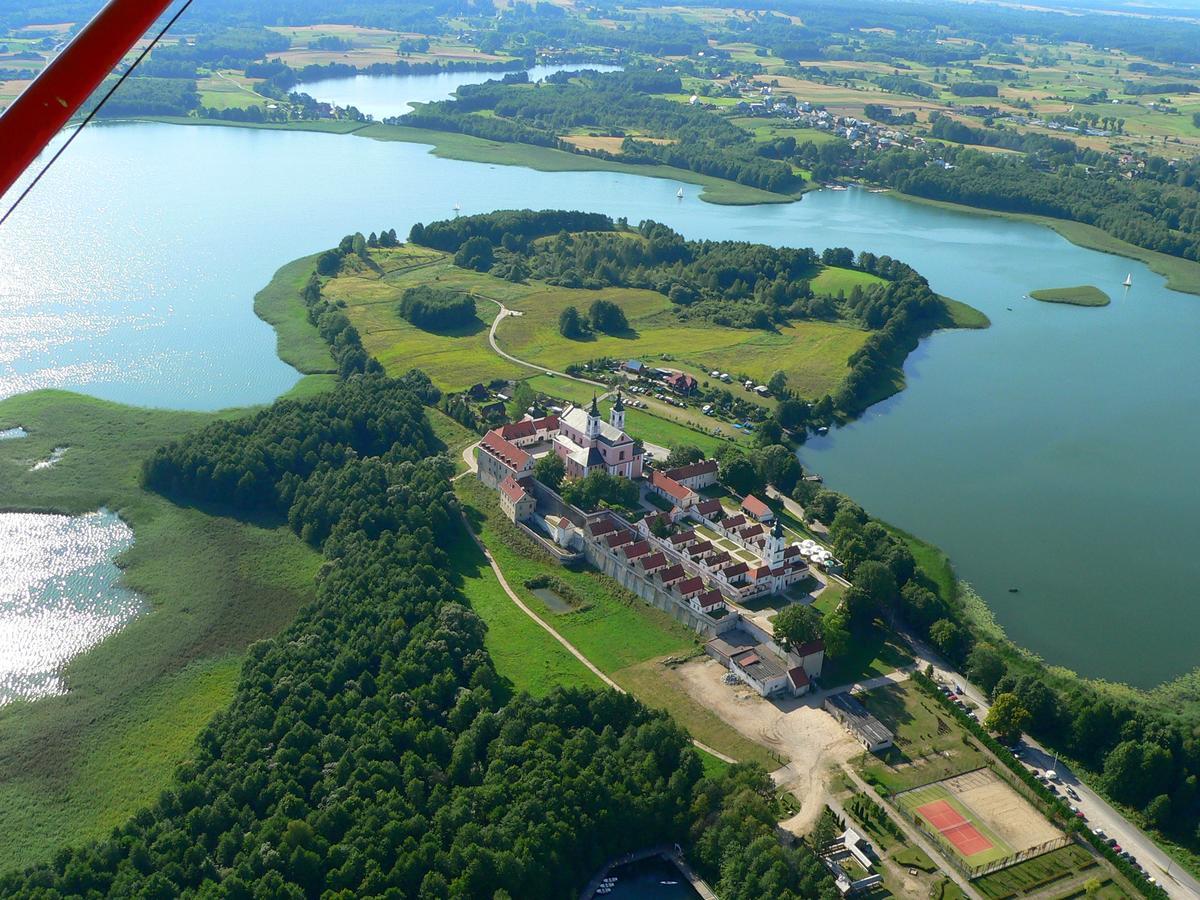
60	595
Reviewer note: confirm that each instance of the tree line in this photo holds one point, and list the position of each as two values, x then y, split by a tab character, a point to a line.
619	104
1145	755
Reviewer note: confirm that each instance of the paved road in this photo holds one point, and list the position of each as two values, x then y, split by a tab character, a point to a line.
1177	882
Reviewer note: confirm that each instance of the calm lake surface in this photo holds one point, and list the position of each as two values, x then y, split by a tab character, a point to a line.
1053	452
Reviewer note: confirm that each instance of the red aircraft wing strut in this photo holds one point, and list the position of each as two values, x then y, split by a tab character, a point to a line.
44	107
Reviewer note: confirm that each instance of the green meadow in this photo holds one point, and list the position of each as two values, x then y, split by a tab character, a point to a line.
1083	295
74	766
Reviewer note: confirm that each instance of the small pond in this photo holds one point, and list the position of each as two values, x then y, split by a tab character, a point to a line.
553	601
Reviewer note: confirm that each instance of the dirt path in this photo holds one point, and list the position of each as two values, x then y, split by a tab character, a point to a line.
595	670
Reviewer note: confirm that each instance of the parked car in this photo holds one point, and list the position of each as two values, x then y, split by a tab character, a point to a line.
1071	793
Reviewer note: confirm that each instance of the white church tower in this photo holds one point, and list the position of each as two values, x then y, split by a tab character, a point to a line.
593	421
776	544
616	416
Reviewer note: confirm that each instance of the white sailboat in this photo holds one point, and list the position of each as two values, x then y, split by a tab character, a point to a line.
679	194
1128	282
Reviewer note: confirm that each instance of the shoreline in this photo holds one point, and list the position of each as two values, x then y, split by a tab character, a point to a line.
1182	275
468	148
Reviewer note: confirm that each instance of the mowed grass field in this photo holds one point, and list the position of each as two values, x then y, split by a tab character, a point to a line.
625	637
813	354
930	746
74	766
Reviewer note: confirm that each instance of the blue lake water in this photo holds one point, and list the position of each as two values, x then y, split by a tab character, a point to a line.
1053	452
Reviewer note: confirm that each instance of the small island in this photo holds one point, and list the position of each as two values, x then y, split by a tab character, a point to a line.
1083	295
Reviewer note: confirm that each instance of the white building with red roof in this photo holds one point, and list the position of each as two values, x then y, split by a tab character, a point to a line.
754	507
499	458
516	502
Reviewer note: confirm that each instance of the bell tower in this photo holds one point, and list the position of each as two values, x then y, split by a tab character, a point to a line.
776	544
593	420
616	416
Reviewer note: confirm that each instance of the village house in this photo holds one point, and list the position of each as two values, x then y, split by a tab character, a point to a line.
682	383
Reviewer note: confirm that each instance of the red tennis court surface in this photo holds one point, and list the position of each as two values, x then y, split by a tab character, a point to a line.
958	831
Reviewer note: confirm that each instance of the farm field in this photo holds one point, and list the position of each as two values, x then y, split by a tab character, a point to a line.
813	354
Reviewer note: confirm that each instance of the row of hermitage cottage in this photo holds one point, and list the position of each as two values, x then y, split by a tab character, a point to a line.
670	559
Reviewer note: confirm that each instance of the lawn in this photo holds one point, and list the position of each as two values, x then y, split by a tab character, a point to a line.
612	628
879	652
1083	295
454	437
930	746
1036	874
621	634
831	280
528	656
74	766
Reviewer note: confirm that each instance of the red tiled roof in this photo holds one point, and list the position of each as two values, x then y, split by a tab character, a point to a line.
619	539
718	559
810	648
515	430
512	456
669	486
692	585
708	507
734	522
760	572
546	423
704	467
641	548
682	537
681	379
756	507
710	598
751	531
604	526
672	574
511	488
700	548
790	550
656	561
797	676
735	570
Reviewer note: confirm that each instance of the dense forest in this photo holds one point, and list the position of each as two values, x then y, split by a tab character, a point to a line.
371	750
1162	215
618	104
